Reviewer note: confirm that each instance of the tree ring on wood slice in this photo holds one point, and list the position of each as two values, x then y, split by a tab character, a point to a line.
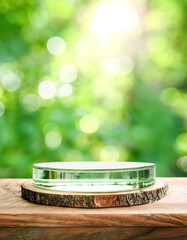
94	200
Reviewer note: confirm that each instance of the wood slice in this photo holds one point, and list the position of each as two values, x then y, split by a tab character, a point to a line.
94	200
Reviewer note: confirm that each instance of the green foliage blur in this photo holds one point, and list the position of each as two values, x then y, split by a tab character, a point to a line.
129	100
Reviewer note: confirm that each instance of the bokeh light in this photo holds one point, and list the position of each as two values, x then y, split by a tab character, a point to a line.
32	102
2	109
84	47
11	82
109	154
65	90
68	73
47	89
170	96
111	66
50	126
111	17
182	142
157	44
56	45
110	59
182	163
39	19
1	92
53	139
89	124
127	65
73	155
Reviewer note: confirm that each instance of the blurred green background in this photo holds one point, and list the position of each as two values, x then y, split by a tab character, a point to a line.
93	81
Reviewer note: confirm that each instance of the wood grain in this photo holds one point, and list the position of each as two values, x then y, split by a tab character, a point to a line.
94	200
171	211
93	233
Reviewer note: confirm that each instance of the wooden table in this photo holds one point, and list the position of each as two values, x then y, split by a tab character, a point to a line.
165	219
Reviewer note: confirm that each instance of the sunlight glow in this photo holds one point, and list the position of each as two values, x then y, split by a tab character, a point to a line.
47	89
112	17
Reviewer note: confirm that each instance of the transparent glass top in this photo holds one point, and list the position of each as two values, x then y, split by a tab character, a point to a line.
93	176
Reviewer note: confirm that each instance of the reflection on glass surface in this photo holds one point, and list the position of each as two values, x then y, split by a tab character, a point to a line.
93	176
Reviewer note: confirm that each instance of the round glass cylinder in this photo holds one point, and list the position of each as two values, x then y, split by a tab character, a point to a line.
93	176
